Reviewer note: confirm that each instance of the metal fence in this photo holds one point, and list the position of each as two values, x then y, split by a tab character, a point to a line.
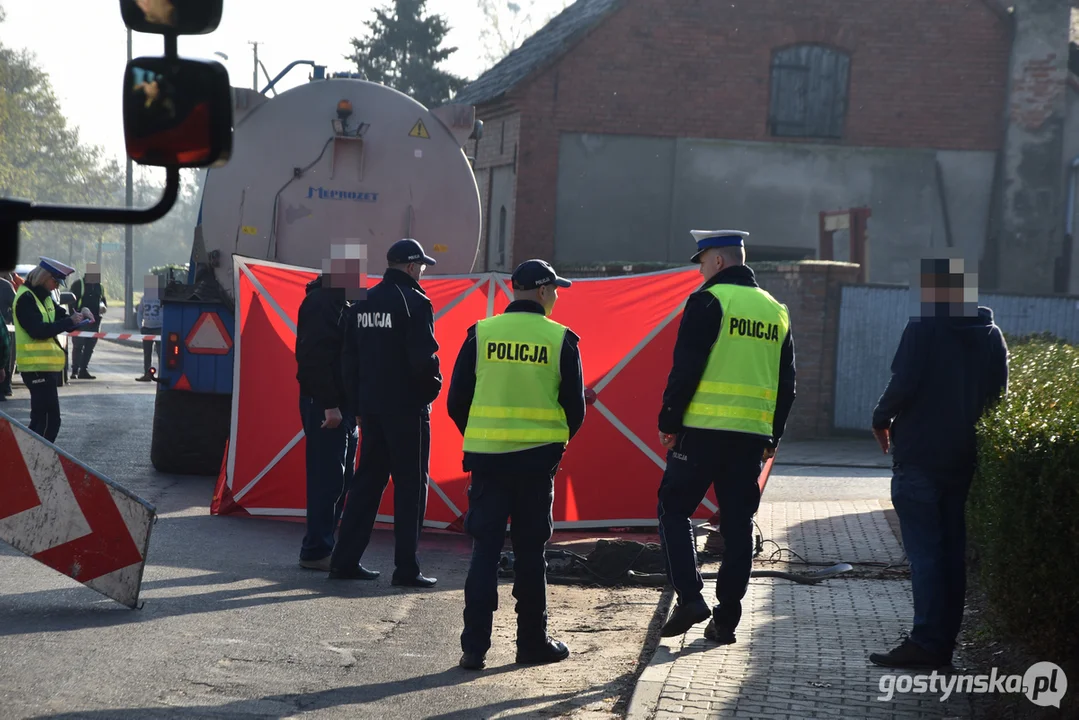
871	321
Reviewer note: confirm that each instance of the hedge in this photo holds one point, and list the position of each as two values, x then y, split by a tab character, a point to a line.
1024	505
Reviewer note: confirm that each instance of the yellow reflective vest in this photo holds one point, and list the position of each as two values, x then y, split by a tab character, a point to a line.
518	375
738	388
37	355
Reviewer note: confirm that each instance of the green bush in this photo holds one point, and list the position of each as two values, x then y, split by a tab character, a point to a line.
1024	507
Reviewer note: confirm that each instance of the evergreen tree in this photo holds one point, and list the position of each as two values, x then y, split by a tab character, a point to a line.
402	50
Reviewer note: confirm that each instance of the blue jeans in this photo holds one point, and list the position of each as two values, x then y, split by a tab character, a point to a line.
931	508
330	458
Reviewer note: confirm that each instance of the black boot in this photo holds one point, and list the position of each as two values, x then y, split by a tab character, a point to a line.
473	661
355	573
719	634
419	581
686	616
551	651
910	656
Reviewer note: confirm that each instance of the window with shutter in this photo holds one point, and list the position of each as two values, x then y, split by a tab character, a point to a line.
809	92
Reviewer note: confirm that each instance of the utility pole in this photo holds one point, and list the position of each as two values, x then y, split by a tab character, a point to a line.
129	239
255	76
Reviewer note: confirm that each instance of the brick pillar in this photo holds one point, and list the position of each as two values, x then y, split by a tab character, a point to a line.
1030	244
811	290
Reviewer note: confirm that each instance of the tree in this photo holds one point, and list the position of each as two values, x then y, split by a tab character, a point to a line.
510	22
403	48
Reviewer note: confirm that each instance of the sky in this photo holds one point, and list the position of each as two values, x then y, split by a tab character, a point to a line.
82	45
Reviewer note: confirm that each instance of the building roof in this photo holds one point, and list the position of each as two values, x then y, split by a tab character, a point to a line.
548	44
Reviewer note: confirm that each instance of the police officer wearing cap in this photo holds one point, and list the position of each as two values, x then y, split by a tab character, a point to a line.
391	376
728	395
38	320
517	397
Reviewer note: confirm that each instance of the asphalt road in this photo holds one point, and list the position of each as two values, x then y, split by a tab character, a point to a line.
232	627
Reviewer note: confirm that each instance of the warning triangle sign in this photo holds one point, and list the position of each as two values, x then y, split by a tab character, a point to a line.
208	336
419	131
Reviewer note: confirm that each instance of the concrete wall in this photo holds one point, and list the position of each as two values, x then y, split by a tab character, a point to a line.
636	198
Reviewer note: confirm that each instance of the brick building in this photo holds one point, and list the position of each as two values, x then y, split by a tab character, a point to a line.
622	124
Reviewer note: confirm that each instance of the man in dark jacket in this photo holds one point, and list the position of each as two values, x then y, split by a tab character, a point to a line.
729	393
515	375
392	376
951	365
89	294
328	420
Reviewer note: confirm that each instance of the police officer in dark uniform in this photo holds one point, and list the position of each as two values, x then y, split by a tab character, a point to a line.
392	375
517	397
728	395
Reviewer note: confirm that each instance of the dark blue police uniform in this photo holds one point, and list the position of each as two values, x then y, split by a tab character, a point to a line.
392	376
513	484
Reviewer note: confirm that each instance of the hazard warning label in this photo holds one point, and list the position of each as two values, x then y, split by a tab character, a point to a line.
419	130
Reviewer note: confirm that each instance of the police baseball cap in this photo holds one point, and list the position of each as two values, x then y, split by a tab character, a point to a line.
408	251
532	274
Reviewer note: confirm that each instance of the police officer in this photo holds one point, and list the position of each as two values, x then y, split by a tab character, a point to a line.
517	397
725	406
38	320
328	423
392	375
89	294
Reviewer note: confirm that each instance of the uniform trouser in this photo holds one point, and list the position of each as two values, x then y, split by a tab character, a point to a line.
930	506
44	403
492	500
331	455
397	445
83	349
5	386
732	466
148	348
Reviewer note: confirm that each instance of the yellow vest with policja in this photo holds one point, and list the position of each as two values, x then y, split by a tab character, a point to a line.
37	355
518	375
738	389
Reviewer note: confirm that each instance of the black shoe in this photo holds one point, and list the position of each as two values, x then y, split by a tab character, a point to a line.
84	375
550	652
720	634
419	581
355	573
684	617
473	661
910	656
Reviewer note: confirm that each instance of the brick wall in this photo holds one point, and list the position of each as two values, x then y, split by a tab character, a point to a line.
811	291
924	74
497	148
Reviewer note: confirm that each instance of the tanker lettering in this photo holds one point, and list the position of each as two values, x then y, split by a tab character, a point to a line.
323	194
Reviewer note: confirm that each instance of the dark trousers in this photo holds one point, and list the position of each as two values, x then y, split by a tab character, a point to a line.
397	445
331	454
930	505
148	348
83	350
730	463
5	385
492	500
44	403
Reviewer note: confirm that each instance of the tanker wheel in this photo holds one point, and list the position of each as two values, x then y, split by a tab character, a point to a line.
190	432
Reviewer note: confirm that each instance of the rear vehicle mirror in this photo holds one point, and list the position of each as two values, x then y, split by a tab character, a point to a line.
172	17
177	113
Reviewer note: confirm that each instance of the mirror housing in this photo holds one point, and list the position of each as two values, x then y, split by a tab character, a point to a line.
177	113
172	17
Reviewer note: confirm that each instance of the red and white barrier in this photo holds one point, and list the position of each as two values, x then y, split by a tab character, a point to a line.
71	518
105	336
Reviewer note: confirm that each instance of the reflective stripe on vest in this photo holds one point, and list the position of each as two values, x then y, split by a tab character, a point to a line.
738	388
37	355
518	375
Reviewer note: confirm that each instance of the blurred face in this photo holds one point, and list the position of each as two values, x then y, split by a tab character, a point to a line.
159	12
416	270
51	283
